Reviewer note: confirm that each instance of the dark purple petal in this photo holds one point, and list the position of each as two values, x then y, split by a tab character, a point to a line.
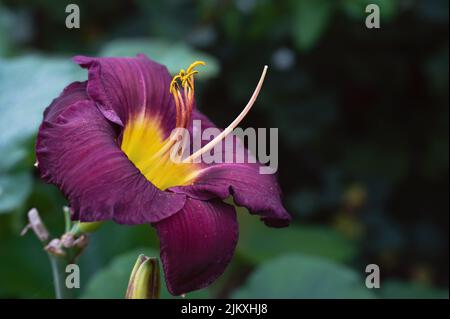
197	244
125	87
77	150
74	92
259	193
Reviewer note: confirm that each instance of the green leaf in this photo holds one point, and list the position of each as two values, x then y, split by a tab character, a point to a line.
5	43
14	189
394	289
28	84
299	276
14	155
126	238
101	252
111	282
25	268
175	56
309	240
311	18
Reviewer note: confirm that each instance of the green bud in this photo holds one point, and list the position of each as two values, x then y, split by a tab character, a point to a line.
144	279
88	227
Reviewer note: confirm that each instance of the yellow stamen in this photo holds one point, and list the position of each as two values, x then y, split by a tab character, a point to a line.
184	102
174	83
195	64
185	77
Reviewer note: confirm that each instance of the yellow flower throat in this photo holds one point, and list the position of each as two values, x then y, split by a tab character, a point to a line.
144	143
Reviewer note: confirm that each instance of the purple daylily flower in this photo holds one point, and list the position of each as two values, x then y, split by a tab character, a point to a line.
104	143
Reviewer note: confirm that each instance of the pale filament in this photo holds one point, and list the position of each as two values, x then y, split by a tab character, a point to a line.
233	125
183	105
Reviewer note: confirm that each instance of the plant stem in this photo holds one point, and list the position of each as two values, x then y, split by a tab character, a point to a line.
61	251
67	221
58	265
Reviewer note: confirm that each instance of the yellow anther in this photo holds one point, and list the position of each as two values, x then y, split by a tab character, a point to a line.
185	77
174	83
193	65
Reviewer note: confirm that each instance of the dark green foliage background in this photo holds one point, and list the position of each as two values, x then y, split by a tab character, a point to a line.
363	131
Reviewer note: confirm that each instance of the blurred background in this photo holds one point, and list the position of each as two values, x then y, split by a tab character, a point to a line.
363	137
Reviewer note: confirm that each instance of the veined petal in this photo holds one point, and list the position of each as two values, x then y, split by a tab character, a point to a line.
135	94
74	92
259	193
197	244
126	88
77	150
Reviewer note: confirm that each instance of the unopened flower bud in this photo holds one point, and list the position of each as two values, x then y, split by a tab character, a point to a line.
87	227
144	280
